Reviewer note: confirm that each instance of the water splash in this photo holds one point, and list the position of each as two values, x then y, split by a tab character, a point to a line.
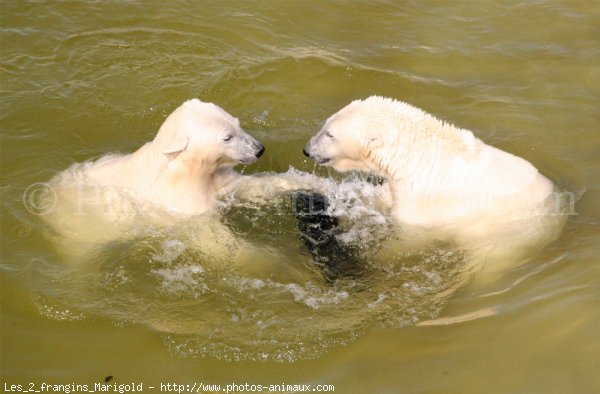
240	285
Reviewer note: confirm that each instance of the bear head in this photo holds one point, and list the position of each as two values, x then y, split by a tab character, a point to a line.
205	134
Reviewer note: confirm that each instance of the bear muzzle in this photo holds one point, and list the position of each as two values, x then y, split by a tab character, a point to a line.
317	158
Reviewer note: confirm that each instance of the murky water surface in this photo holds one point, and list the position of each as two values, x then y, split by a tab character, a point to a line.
79	80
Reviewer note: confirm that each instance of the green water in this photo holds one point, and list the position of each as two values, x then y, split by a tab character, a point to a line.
80	79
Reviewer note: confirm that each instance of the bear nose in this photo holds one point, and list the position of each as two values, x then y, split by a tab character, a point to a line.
260	152
305	152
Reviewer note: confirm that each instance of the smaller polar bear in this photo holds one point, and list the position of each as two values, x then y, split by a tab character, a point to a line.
181	174
187	164
438	176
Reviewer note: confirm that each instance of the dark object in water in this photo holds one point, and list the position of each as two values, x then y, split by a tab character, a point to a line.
318	230
108	378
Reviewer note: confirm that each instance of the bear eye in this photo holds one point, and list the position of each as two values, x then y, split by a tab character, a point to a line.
228	138
328	134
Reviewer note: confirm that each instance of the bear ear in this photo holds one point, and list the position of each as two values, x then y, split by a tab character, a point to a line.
177	145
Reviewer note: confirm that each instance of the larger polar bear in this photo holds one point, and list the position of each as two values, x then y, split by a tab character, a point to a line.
439	176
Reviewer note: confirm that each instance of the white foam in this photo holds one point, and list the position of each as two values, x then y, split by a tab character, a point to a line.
380	298
181	278
314	297
308	294
171	249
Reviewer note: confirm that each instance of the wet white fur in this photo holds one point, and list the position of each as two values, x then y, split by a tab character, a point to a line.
186	165
437	173
180	174
441	177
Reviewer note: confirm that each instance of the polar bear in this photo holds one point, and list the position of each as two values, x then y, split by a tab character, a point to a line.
438	176
182	173
187	164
